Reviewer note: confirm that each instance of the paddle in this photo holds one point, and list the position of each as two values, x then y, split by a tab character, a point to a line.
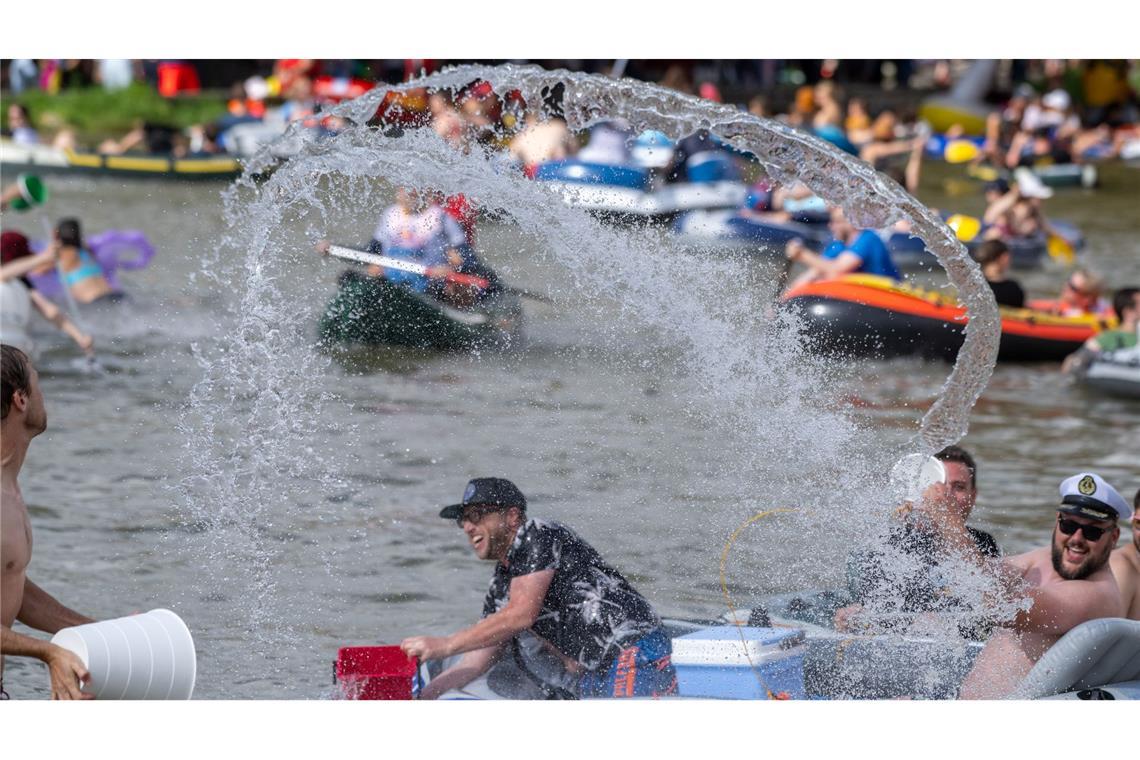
1060	249
403	265
364	257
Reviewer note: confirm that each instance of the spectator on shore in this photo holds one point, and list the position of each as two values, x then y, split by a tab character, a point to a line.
20	125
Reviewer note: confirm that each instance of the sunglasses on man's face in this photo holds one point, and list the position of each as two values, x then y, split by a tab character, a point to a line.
1069	527
474	514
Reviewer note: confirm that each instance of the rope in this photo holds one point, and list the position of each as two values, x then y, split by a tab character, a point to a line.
728	599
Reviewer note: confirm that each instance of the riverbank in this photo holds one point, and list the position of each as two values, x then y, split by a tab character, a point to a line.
94	114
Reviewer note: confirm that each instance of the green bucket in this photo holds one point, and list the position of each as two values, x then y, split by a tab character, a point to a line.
33	192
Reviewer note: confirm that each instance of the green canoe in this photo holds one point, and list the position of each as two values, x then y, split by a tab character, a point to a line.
372	310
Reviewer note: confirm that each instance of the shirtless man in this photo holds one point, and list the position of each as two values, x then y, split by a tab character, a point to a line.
1125	564
1067	584
23	418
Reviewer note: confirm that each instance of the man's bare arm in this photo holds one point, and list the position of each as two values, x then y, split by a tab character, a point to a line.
472	665
41	611
65	669
523	606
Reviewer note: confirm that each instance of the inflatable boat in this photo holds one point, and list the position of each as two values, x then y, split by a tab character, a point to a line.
1027	252
375	311
1115	373
870	316
728	228
632	192
747	655
1052	175
43	159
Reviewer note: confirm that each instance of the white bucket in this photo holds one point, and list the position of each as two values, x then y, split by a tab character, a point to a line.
147	656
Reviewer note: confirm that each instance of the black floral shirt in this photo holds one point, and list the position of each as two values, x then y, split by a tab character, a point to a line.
590	611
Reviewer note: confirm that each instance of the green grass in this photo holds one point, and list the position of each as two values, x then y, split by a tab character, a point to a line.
96	114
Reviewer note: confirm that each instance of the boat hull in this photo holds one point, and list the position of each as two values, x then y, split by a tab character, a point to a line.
373	311
865	316
15	159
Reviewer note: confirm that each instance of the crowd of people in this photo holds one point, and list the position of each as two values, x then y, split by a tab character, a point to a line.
607	640
548	582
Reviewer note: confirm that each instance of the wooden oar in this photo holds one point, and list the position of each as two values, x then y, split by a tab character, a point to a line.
364	257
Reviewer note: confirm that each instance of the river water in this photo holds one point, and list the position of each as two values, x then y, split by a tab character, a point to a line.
159	483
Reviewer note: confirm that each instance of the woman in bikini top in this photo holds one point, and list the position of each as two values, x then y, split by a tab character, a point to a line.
81	274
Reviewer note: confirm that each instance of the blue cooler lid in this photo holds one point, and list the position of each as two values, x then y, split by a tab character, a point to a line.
730	645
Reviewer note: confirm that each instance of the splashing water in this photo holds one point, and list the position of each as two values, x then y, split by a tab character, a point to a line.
253	424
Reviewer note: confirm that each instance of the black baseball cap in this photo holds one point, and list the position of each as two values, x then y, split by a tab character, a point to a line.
498	492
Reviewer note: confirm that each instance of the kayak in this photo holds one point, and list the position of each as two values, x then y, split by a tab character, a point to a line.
870	316
44	159
1115	373
375	311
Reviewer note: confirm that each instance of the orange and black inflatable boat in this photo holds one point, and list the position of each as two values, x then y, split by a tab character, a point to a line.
865	315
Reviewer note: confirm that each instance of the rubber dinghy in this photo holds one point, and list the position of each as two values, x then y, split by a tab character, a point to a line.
733	229
747	655
43	159
1115	373
869	316
1051	175
375	311
631	192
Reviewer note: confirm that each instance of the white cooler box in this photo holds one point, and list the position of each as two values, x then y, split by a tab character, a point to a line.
716	663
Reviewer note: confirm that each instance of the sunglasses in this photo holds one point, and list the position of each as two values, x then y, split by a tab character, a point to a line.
474	514
1069	527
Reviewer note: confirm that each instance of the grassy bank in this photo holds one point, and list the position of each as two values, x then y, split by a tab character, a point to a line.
95	114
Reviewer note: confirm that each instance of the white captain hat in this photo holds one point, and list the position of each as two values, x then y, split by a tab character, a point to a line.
1089	495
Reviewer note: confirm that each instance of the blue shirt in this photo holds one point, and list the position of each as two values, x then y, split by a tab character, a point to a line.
872	252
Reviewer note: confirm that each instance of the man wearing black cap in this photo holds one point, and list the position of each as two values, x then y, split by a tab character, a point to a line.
549	581
1066	584
1125	564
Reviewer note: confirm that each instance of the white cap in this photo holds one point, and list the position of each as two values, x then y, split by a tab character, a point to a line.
1057	99
1030	184
1089	495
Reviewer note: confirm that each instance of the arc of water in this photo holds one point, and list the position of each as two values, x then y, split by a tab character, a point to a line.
870	199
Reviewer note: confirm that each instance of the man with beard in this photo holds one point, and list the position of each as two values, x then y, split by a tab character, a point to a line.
24	417
1066	584
1125	564
552	583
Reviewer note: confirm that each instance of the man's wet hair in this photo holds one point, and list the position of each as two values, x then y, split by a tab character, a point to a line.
1122	300
960	455
1136	501
990	251
14	376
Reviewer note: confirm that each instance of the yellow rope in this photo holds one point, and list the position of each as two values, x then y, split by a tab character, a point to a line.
728	599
